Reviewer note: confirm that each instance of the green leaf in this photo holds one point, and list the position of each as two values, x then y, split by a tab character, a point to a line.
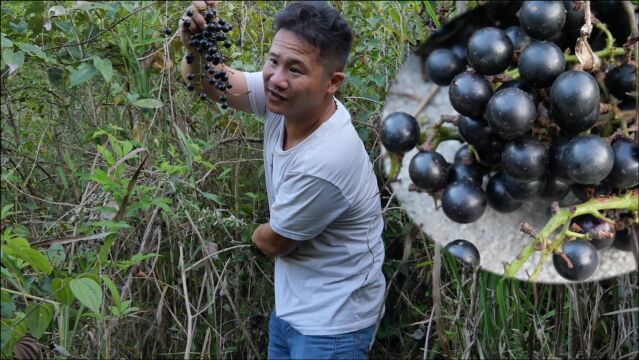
4	296
38	318
82	74
20	28
214	197
106	247
163	203
20	247
105	67
127	147
148	103
134	260
56	254
35	50
5	42
106	154
8	307
6	211
224	173
432	14
12	331
101	177
90	5
61	291
115	293
13	59
62	176
64	25
88	292
37	260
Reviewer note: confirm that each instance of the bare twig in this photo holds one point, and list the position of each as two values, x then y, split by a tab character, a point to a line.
425	101
437	300
189	321
103	31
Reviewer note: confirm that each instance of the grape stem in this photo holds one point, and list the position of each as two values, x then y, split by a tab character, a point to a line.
586	29
440	133
629	201
609	50
396	163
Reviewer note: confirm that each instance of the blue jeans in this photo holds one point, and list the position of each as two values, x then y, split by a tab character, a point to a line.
284	342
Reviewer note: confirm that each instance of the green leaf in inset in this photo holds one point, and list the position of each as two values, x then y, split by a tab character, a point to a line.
148	103
82	74
88	292
105	67
38	318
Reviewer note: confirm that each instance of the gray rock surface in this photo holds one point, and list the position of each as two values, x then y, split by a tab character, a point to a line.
496	235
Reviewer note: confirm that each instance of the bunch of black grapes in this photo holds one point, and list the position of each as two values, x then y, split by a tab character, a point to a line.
533	137
208	43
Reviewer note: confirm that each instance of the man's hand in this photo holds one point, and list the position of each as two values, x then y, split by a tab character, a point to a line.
197	21
191	70
272	243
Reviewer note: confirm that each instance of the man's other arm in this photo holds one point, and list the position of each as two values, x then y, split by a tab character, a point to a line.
272	243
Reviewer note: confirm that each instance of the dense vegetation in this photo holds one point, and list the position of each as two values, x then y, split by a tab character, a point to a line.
128	203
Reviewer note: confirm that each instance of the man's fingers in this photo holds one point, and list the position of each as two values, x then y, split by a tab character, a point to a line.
197	20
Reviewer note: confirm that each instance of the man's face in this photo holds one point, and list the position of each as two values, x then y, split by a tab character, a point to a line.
295	81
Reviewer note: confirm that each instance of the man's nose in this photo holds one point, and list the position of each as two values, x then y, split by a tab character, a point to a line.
279	79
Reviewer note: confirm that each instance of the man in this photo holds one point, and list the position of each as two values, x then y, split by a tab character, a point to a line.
325	214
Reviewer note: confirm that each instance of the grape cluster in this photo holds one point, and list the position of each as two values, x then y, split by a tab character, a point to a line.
208	43
535	137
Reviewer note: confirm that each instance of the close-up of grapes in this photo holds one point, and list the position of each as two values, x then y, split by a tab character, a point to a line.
544	95
209	43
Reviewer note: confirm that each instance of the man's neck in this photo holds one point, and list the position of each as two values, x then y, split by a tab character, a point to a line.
296	130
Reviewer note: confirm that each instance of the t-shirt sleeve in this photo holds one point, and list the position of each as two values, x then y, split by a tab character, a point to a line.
257	97
305	205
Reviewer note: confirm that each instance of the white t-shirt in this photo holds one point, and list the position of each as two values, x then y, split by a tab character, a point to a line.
323	192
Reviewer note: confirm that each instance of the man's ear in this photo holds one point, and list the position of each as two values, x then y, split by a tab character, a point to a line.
335	82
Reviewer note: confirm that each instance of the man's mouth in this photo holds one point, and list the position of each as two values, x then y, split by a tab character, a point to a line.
276	95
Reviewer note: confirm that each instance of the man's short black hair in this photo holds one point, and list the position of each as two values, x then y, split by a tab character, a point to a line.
321	26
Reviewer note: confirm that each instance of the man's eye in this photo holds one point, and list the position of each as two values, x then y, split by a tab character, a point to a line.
295	70
273	61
